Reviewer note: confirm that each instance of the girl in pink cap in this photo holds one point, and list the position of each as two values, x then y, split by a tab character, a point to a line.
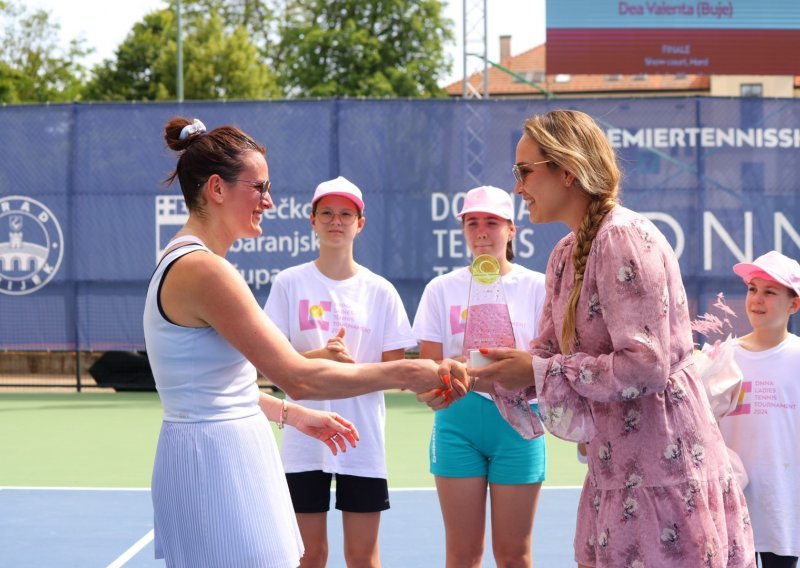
472	447
764	429
334	308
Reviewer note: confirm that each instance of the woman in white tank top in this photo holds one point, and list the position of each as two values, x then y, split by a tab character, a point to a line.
219	494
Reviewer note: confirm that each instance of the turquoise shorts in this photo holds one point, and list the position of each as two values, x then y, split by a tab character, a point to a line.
471	439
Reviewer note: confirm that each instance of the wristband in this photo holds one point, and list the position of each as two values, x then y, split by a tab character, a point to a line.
282	416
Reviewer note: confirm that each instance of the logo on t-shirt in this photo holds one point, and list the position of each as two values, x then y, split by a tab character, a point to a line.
743	407
311	315
762	396
458	319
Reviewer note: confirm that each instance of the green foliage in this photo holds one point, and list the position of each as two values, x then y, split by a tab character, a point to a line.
236	49
375	48
219	60
256	16
34	66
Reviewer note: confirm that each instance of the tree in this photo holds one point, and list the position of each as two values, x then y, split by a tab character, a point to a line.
220	60
256	16
34	66
375	48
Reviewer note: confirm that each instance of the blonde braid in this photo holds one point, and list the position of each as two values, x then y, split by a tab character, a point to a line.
572	140
595	213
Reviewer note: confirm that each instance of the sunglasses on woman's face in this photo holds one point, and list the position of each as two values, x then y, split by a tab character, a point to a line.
262	187
522	169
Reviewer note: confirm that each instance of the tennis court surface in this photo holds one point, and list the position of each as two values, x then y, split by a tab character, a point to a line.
74	472
89	528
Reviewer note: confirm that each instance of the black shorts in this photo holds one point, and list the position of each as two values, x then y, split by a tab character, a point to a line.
311	492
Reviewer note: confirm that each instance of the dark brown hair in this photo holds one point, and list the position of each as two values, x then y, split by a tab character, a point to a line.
203	154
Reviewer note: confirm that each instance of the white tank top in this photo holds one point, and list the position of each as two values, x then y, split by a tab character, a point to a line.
199	375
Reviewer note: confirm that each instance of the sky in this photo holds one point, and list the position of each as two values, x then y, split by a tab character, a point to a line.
104	25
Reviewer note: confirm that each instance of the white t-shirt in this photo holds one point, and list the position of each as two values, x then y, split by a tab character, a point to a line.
442	311
764	430
309	308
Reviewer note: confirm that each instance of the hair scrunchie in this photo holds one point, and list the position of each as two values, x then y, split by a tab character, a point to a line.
193	128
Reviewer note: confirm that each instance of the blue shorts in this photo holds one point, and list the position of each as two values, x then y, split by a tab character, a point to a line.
472	439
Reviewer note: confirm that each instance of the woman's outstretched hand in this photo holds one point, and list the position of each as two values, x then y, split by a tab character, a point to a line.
455	384
328	427
426	375
511	369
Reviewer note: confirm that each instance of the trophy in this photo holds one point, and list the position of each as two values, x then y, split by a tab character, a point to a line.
489	325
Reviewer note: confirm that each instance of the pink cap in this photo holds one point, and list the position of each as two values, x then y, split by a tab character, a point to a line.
771	266
488	199
342	187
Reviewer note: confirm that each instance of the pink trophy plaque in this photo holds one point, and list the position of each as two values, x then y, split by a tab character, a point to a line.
489	325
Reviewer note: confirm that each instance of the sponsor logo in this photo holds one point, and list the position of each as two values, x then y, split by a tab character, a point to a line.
743	404
32	255
311	316
171	215
458	319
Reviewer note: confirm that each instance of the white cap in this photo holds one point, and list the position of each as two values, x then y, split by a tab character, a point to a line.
772	266
488	199
342	187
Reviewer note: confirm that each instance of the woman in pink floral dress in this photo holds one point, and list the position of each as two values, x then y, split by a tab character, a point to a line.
612	367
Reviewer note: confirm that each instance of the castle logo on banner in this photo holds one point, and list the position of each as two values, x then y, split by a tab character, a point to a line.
31	245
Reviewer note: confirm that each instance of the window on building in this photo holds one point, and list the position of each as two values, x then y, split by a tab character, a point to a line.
530	76
612	78
563	78
751	90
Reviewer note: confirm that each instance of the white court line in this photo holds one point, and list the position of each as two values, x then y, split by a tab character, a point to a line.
132	551
544	488
23	488
398	489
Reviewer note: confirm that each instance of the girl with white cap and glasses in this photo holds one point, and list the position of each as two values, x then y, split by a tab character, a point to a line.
764	429
334	308
219	493
472	446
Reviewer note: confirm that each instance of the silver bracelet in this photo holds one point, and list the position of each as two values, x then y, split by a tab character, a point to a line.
282	416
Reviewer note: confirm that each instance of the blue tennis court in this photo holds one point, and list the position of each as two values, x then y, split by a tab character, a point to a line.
111	528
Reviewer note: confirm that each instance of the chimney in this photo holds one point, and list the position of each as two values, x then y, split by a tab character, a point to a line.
505	47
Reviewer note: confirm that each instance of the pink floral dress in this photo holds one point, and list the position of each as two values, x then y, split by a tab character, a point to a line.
660	490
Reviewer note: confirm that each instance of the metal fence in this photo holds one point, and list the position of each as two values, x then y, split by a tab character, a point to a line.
83	212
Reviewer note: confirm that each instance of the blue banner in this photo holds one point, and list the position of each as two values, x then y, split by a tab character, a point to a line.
84	212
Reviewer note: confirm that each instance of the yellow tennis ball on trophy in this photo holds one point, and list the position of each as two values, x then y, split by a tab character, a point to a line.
485	269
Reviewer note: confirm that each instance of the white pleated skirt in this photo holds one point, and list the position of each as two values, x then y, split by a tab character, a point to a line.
220	497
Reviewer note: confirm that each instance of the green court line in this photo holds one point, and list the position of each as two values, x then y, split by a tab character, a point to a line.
109	440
